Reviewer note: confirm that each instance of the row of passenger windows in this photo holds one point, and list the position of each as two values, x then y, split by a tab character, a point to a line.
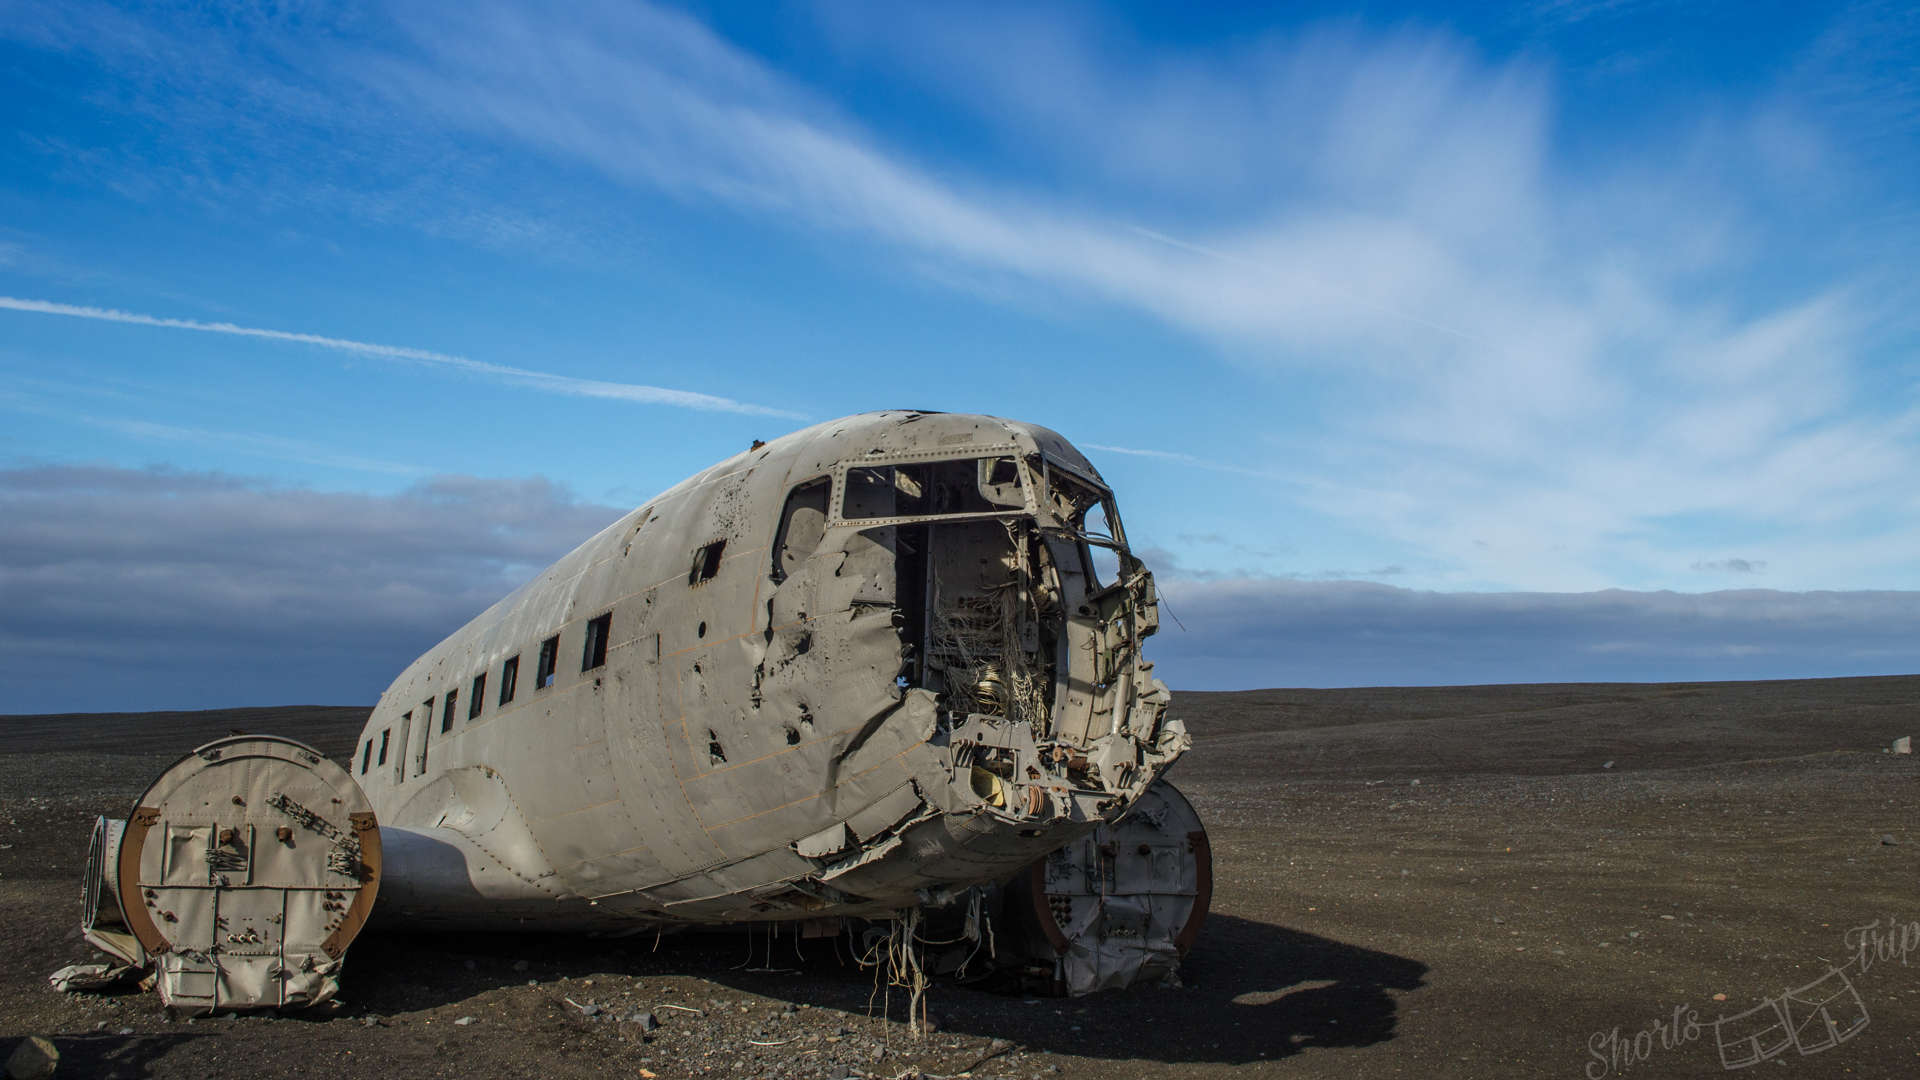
593	655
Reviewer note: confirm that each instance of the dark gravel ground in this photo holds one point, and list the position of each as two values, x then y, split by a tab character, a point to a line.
1465	881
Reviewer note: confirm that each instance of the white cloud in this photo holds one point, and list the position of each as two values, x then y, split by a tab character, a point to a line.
539	380
1551	367
1539	365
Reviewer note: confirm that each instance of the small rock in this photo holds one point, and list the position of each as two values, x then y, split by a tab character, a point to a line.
1903	745
1415	783
1606	765
1498	920
999	1046
463	1021
1888	840
647	1021
36	1058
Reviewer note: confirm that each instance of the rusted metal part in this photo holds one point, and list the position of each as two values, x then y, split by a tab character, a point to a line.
367	829
1202	850
133	901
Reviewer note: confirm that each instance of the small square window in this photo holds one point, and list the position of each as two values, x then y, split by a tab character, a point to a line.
479	696
509	675
595	653
549	659
706	562
447	711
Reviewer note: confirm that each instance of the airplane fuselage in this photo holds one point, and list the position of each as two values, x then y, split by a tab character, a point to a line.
856	669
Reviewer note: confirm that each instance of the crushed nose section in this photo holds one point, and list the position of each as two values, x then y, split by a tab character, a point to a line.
242	875
1031	633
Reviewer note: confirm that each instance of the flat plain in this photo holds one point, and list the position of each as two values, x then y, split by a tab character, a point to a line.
1531	881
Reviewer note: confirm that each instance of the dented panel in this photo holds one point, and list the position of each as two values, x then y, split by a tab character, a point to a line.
865	664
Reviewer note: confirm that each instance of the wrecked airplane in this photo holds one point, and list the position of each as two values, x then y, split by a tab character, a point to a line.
886	664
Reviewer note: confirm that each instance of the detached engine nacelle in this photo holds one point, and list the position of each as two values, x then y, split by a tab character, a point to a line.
241	876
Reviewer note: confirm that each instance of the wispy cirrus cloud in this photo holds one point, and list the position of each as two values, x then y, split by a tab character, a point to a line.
538	380
1177	458
1538	373
1528	360
251	443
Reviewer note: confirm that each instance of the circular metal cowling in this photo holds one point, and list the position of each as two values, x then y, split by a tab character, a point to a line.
245	871
1123	904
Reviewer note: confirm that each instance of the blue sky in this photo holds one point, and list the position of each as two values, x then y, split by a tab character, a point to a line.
1354	302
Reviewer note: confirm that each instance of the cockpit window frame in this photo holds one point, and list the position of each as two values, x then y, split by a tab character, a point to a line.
836	504
1086	541
1118	540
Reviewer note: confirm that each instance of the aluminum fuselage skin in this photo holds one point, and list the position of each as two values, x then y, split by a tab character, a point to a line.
767	737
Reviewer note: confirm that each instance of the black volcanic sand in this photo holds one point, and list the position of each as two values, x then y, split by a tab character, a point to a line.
1409	882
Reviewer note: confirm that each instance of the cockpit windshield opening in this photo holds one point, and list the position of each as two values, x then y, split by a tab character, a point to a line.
933	489
1088	512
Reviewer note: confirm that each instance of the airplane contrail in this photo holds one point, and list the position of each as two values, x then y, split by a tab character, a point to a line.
1183	459
543	380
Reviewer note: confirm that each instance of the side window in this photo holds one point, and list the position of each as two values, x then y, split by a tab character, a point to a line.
479	696
386	735
706	562
509	674
595	653
870	493
405	740
447	711
366	757
802	524
549	656
1104	561
426	737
